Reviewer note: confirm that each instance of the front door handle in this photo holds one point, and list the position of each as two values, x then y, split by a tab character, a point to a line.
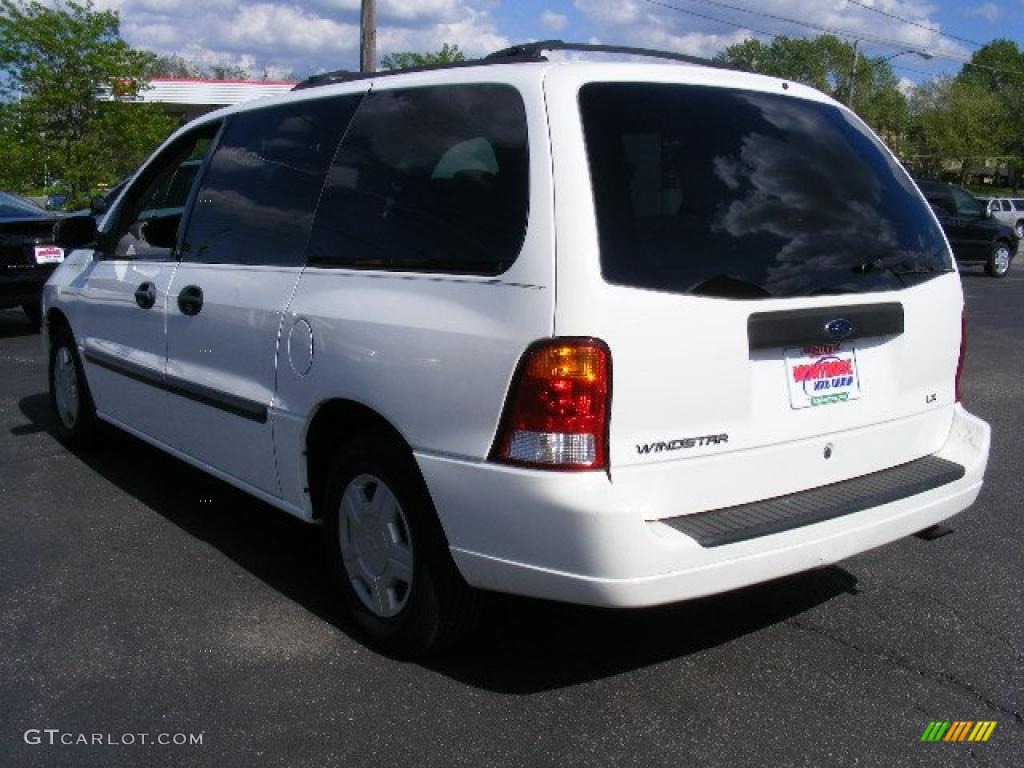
145	295
190	300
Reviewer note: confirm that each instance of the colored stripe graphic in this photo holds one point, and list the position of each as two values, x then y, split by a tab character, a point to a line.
958	730
982	730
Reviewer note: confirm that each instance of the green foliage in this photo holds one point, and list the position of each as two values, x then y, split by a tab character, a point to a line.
992	72
173	66
449	54
959	120
827	63
58	66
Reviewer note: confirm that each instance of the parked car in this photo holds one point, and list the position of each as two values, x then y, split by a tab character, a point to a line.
28	254
529	326
57	201
1008	210
976	237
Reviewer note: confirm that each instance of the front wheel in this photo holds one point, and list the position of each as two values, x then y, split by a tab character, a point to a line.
999	262
388	553
77	426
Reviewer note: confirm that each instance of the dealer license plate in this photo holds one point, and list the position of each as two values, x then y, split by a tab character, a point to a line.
49	254
824	374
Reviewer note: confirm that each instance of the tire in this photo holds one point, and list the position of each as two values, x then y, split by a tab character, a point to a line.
70	399
405	611
998	264
1019	229
34	312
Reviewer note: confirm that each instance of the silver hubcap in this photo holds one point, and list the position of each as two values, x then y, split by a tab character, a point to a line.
65	387
1001	259
1020	231
376	545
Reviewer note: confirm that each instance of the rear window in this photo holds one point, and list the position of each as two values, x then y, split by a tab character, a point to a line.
1018	205
740	194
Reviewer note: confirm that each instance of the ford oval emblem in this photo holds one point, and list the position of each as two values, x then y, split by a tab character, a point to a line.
839	328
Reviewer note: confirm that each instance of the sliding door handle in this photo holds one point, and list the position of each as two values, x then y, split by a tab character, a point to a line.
190	300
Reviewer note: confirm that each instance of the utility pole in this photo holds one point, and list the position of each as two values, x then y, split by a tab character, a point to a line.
853	73
367	37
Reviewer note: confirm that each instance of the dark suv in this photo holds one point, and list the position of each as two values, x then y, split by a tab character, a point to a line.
976	238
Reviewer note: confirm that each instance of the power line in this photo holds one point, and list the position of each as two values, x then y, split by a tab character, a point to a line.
787	19
829	30
867	7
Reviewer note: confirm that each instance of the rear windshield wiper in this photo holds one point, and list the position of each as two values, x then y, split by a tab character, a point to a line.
899	268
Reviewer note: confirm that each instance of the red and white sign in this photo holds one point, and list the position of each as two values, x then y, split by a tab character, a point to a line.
822	375
49	254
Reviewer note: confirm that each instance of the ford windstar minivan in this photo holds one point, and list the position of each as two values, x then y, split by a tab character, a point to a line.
611	333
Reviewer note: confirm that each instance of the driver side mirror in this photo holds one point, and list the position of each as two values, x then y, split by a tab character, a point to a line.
161	231
75	232
98	205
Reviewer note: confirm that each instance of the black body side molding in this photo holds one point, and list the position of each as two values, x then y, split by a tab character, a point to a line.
215	398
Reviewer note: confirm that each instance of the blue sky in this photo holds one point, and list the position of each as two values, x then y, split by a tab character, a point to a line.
264	35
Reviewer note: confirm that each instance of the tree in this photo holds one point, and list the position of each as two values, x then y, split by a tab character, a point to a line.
449	54
827	63
998	69
66	78
961	121
173	66
228	72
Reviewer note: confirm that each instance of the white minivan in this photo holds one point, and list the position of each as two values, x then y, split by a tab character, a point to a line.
618	334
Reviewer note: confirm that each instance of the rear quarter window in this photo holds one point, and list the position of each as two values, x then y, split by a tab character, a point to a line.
428	179
743	194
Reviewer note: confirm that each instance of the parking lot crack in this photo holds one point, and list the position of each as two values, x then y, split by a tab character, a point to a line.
942	678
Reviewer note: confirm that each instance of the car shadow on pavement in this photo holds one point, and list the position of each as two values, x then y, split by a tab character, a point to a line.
522	645
14	323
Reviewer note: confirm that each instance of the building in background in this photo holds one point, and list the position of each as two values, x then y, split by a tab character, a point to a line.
186	100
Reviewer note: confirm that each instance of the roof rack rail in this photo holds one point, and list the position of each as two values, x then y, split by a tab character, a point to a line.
526	52
535	52
347	76
329	78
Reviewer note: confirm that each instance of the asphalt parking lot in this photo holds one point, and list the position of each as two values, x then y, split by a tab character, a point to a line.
139	596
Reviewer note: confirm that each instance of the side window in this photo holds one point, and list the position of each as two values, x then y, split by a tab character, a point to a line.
1005	204
160	194
965	204
1018	205
256	200
431	179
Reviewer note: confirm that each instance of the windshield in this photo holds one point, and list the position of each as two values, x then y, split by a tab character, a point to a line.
743	194
969	206
13	207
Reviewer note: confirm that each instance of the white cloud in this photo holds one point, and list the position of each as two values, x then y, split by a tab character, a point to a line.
302	38
703	31
553	22
989	11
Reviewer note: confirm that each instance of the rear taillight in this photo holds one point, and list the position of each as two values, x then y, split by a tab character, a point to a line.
556	414
963	353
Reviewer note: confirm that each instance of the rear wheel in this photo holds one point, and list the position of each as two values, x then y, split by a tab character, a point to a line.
34	312
388	553
1019	229
77	426
999	262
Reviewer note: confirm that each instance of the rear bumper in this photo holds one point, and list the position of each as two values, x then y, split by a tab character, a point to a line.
574	537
